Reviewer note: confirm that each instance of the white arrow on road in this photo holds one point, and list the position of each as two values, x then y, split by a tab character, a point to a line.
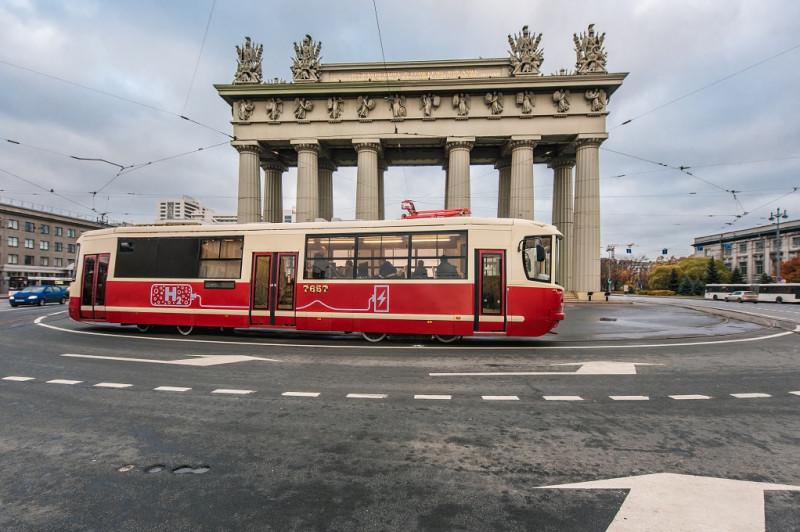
666	501
198	360
586	368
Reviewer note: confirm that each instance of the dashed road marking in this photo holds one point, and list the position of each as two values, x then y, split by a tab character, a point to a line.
367	396
112	385
689	397
629	397
500	398
795	393
562	398
63	381
434	397
232	392
300	394
171	389
17	379
751	395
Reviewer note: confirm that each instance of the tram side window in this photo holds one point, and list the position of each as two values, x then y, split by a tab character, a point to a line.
181	257
536	253
220	258
330	257
439	255
383	257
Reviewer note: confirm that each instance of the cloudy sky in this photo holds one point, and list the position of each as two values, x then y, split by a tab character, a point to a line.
712	87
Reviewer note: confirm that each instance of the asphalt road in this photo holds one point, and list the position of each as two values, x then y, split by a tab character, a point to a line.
694	411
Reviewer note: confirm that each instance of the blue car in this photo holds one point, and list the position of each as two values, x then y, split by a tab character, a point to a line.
38	295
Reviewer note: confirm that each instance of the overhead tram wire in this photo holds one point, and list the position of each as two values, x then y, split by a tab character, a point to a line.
706	86
199	55
111	95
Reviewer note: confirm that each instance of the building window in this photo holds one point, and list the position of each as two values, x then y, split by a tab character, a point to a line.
760	245
59	231
44	229
743	268
13	259
58	262
13	241
743	248
13	224
58	246
29	243
28	260
44	245
71	233
30	227
44	261
70	262
70	248
796	241
759	267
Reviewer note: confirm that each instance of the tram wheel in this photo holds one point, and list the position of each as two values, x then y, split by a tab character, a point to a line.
185	330
142	327
447	338
373	337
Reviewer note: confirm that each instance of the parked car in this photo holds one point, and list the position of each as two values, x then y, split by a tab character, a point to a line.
39	295
741	296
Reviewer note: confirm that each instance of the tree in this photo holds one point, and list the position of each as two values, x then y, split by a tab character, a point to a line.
736	277
764	279
712	273
790	270
673	283
699	288
687	286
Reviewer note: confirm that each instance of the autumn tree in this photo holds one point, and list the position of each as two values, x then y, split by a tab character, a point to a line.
790	270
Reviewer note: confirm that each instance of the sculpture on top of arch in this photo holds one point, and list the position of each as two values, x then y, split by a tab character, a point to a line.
525	56
589	50
306	64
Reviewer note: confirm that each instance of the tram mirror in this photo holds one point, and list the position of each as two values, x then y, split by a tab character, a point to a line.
541	255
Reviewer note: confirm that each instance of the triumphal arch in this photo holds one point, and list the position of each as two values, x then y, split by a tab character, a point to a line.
447	113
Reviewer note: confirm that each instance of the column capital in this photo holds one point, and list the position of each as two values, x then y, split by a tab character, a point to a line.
327	165
459	143
502	162
368	144
306	145
247	147
589	140
273	164
561	162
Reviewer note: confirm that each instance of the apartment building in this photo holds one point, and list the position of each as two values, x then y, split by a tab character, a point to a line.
37	246
753	250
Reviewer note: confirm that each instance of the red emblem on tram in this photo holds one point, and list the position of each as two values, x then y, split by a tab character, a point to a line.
171	295
380	298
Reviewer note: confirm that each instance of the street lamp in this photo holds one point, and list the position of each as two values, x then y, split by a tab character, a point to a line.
776	217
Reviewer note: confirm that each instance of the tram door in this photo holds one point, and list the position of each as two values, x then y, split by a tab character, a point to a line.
93	286
490	290
272	298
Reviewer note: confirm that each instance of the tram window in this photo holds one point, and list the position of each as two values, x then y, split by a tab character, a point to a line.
329	257
176	258
430	248
220	258
386	256
536	253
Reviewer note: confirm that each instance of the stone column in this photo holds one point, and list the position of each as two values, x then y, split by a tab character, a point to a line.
586	251
446	168
521	199
458	183
367	191
249	203
326	169
382	167
273	190
504	186
307	179
563	216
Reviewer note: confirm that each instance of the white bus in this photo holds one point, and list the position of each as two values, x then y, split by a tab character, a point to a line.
767	293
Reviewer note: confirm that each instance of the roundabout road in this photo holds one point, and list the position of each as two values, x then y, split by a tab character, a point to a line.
105	427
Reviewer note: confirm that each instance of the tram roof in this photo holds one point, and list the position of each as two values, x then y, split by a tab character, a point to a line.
325	226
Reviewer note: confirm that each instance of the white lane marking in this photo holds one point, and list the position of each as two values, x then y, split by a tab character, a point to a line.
602	367
63	381
434	397
500	398
795	393
171	389
689	397
38	321
629	397
300	394
666	501
17	379
232	392
750	395
562	398
198	360
112	385
367	396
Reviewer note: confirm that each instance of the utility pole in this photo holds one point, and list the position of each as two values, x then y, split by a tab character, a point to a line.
776	217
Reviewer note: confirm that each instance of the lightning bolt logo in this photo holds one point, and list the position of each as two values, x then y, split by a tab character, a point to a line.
381	298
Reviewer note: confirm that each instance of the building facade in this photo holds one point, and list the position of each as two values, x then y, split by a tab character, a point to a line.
37	247
754	251
446	113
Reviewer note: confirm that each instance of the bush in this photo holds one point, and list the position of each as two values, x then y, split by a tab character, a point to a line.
655	293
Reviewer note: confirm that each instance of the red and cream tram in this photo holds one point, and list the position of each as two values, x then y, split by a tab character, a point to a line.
445	277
